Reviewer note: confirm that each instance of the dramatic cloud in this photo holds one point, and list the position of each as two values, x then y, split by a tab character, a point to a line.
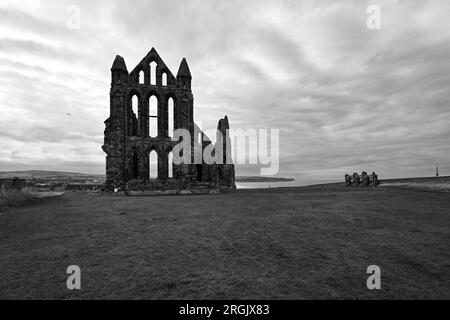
345	98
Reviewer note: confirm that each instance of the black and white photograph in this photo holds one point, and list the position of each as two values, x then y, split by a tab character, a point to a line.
224	156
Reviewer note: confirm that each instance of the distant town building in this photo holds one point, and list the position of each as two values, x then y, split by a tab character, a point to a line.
12	184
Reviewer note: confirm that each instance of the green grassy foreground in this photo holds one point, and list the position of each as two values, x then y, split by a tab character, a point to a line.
297	243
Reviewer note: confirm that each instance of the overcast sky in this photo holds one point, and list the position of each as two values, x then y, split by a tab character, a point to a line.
345	98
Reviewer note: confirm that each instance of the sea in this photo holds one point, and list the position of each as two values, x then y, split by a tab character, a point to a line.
299	182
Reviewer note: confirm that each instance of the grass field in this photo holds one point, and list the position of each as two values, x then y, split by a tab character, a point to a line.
298	243
14	199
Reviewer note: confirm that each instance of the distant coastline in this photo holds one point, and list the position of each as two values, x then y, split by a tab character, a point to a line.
263	179
60	175
41	174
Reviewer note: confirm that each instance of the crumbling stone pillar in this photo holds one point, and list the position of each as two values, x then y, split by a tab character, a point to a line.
356	180
348	180
365	180
374	182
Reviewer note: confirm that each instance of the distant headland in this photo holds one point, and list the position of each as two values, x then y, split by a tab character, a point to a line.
263	179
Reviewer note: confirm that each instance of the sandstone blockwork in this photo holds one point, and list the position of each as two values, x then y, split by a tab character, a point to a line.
146	106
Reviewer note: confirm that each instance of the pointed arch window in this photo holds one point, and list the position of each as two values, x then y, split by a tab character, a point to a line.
135	115
164	79
171	106
153	165
170	165
153	117
141	77
153	66
135	106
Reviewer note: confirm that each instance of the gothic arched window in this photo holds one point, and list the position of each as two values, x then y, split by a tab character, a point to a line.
170	164
171	106
153	165
153	66
153	117
134	116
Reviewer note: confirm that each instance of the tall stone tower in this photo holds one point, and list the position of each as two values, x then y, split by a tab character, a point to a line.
146	106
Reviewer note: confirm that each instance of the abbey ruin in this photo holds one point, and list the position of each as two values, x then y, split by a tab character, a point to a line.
147	105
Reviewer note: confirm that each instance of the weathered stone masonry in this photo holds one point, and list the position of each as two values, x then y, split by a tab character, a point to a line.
129	140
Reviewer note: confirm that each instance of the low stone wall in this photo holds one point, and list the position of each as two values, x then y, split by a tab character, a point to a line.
167	185
172	192
419	180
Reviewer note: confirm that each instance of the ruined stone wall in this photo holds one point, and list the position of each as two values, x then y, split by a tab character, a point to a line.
128	144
